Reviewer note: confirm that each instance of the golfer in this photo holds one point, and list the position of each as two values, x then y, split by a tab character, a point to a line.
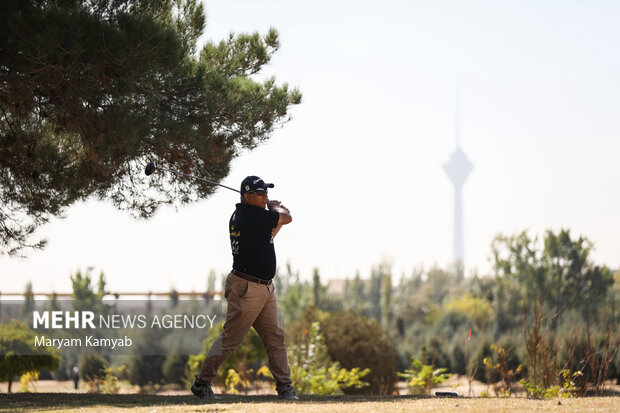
249	289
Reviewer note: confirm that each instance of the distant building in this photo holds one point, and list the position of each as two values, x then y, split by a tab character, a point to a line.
337	287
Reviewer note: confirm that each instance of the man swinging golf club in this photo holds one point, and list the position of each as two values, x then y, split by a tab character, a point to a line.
249	290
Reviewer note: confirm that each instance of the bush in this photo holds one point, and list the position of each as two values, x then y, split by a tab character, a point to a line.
478	368
173	368
503	362
239	368
453	323
245	360
110	382
65	367
18	354
360	342
92	366
28	382
477	309
93	371
144	370
423	377
458	360
313	372
192	367
434	355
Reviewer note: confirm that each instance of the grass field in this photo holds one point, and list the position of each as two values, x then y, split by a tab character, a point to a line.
72	402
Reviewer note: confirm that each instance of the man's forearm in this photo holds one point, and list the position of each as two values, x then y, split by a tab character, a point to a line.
283	211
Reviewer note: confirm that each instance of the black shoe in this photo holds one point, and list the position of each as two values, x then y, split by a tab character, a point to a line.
288	393
203	391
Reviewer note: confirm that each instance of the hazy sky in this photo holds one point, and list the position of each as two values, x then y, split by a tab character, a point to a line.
360	164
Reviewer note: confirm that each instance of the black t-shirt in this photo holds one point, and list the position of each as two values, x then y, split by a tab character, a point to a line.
251	240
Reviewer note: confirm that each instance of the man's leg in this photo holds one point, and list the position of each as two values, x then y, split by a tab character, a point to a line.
268	328
245	302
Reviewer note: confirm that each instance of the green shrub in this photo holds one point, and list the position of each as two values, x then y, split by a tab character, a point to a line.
452	323
502	363
434	354
245	361
145	369
423	377
109	383
18	354
92	366
173	368
360	342
458	360
475	308
477	366
192	367
313	372
568	388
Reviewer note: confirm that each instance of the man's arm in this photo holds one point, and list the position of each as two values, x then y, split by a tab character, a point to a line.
285	215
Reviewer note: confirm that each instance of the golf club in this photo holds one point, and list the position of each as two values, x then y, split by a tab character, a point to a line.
151	167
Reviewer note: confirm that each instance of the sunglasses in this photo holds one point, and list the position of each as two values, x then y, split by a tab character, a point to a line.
259	192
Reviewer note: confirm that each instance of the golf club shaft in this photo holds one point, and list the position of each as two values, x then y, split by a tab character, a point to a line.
195	177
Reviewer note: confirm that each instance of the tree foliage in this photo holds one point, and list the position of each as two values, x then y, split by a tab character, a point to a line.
18	354
560	272
91	91
93	366
477	309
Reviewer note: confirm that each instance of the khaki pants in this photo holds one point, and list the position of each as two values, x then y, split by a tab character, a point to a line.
249	305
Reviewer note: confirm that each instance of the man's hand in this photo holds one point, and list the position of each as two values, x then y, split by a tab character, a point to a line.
276	205
272	204
285	214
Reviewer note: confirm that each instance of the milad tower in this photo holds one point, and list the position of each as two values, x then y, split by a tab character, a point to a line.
458	169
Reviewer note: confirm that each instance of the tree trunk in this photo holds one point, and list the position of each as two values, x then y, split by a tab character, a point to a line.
10	384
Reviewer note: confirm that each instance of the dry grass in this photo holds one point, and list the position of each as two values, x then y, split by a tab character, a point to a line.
63	402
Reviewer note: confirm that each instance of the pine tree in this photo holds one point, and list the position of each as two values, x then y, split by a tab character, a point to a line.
28	300
91	91
387	312
316	288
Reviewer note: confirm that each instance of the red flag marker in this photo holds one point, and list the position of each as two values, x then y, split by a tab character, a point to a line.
469	336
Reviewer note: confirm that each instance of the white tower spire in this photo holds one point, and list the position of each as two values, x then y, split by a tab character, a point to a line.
458	169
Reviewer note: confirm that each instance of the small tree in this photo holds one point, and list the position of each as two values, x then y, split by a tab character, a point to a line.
18	355
85	296
422	377
28	300
316	288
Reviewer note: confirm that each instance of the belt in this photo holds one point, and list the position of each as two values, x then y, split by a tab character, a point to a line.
250	278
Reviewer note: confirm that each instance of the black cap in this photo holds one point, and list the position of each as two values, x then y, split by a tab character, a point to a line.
253	183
